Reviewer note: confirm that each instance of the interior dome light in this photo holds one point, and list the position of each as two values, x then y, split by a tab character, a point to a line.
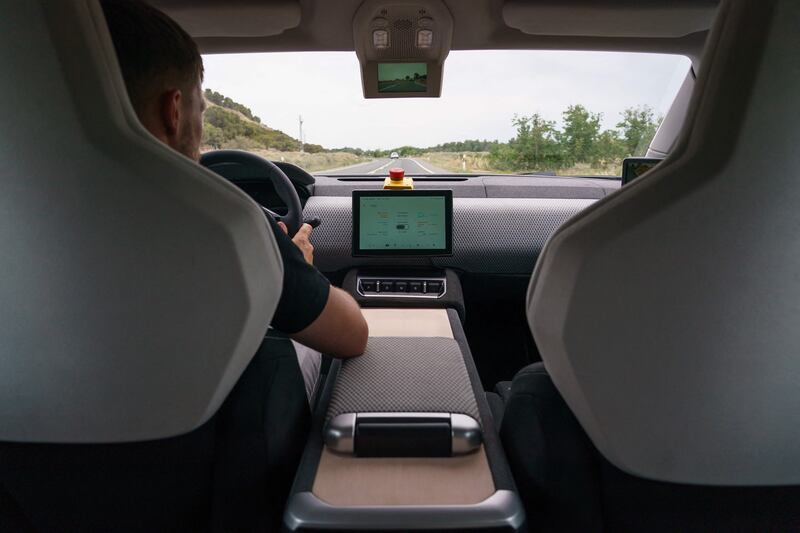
380	38
424	38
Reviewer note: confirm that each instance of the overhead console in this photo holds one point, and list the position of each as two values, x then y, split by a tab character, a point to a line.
401	46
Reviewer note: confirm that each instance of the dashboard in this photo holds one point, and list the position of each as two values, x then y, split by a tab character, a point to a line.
490	235
499	223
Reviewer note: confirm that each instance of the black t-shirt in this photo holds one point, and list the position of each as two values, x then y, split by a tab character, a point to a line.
305	289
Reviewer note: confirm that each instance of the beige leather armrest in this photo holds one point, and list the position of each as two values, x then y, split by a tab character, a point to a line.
408	322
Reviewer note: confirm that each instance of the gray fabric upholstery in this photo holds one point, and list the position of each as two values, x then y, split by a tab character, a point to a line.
478	247
667	313
654	18
405	374
136	285
503	389
496	406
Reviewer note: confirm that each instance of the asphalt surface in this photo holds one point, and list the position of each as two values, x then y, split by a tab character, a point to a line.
380	167
401	86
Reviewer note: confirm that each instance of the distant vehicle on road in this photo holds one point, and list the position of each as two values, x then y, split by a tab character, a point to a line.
394	155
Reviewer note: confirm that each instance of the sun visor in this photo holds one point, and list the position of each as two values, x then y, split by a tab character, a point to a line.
573	18
401	46
242	18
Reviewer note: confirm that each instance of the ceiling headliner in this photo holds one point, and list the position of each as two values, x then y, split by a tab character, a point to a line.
326	25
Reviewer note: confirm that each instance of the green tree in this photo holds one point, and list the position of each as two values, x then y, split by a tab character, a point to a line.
609	148
213	136
313	148
224	126
470	145
535	147
580	135
223	101
536	143
638	126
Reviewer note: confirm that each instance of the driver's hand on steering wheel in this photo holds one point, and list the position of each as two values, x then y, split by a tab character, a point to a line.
301	240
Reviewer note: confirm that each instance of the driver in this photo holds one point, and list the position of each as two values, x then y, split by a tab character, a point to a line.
163	72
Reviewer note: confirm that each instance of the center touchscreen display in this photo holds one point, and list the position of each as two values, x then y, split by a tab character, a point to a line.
402	222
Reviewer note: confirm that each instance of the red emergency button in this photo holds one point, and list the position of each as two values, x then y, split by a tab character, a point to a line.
397	174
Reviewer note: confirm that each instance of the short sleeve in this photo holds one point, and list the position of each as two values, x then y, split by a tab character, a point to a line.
305	289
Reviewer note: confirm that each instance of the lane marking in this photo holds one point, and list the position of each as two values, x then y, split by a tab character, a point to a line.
380	168
429	171
339	169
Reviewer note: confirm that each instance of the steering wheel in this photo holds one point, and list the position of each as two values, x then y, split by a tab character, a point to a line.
236	163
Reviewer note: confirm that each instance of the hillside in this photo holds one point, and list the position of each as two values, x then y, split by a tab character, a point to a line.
228	124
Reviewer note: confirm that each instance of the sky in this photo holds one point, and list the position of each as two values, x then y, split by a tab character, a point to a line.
481	93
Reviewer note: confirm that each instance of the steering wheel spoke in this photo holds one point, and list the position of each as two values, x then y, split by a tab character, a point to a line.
272	214
219	160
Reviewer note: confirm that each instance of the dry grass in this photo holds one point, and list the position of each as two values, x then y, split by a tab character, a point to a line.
585	169
459	161
478	162
313	162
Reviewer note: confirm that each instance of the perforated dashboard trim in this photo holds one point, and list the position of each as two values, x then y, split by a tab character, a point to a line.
490	235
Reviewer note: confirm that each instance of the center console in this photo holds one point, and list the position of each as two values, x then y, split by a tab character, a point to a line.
410	287
402	437
376	286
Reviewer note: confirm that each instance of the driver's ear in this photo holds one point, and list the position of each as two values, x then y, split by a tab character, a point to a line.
170	111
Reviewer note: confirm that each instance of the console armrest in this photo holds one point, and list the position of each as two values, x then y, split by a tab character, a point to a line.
405	397
408	378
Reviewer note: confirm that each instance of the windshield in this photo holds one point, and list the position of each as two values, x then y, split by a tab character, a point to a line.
509	112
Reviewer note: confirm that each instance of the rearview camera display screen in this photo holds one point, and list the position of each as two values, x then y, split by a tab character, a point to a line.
402	222
402	77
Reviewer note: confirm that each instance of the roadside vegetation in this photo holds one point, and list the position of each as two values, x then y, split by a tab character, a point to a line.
578	146
231	125
314	162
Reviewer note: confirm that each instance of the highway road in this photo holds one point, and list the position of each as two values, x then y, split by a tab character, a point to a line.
380	167
401	86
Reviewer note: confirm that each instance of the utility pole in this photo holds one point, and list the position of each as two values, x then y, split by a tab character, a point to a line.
301	134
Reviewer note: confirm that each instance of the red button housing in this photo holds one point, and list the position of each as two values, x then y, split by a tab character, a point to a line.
397	174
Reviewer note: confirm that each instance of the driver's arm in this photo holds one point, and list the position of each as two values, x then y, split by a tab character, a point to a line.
312	312
340	330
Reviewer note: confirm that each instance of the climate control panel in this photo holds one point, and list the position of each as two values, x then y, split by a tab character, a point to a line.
401	287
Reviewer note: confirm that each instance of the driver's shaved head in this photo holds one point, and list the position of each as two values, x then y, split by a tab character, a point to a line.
154	52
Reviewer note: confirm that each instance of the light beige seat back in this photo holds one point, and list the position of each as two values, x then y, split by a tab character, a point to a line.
135	286
668	314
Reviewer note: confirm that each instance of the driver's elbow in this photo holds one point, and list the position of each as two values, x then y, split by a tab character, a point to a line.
355	341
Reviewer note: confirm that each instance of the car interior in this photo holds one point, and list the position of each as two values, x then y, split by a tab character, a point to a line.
550	354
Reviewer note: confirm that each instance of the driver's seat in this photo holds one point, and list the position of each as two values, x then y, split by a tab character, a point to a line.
136	289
